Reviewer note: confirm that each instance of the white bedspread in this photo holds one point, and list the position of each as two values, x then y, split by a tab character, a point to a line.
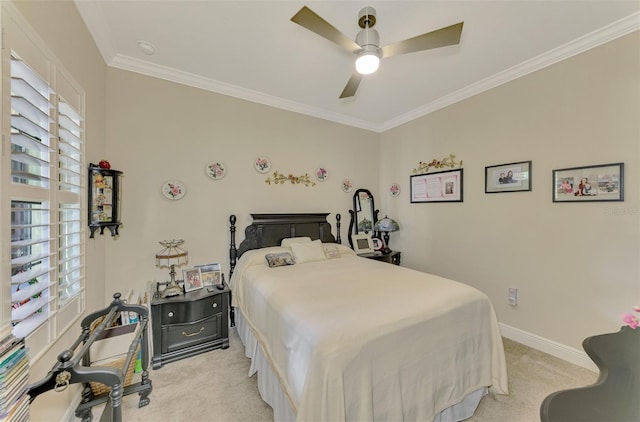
356	339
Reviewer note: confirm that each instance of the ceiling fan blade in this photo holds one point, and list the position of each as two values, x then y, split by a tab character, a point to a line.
352	86
314	23
442	37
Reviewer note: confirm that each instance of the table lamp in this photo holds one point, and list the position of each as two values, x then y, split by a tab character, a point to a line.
169	257
386	225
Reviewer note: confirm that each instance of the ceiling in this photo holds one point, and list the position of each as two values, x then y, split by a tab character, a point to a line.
251	49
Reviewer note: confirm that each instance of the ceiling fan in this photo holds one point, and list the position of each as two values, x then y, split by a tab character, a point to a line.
367	43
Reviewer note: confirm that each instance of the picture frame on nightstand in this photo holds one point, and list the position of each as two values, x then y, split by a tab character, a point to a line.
192	279
362	243
211	274
378	244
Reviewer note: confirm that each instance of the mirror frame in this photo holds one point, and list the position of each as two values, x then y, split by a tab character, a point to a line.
353	225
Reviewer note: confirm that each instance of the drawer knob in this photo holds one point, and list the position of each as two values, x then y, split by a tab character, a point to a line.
215	304
171	313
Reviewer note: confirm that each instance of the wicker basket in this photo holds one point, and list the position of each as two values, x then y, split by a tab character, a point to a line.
98	388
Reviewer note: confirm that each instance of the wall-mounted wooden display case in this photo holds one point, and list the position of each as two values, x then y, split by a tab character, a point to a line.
104	199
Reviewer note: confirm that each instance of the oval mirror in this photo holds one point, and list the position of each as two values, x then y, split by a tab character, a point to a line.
364	214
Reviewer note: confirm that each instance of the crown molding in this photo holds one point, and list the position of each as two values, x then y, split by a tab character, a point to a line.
196	81
91	13
594	39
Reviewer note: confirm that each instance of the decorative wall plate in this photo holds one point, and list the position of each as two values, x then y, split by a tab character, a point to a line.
174	190
216	170
394	190
347	185
322	174
262	164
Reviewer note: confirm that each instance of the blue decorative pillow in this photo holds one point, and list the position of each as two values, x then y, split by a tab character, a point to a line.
279	259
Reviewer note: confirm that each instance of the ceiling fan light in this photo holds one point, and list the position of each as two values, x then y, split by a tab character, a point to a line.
367	62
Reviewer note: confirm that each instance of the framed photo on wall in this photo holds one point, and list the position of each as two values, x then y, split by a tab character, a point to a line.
512	177
604	182
442	186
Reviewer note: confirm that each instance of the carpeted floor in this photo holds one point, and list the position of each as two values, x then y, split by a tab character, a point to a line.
214	386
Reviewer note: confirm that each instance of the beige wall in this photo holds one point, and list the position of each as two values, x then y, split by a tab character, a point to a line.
159	130
575	265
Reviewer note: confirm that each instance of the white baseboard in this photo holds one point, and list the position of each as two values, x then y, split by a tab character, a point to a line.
550	347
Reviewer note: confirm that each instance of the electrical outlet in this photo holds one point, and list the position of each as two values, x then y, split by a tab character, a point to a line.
513	296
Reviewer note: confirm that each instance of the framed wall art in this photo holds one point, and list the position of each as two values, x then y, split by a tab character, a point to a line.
512	177
604	182
443	186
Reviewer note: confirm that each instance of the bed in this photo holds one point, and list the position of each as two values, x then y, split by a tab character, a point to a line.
337	337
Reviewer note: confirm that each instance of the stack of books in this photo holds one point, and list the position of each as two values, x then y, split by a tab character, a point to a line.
14	380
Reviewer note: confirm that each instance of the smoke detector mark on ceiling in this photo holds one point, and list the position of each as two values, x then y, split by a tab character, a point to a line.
146	47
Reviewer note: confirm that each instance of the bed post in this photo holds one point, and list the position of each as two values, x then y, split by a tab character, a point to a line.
338	239
233	254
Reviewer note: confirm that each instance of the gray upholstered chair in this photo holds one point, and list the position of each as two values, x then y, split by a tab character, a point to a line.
615	397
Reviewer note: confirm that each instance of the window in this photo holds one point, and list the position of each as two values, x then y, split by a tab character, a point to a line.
31	232
70	256
46	188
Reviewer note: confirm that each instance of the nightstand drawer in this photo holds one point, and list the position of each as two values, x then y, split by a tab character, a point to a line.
179	336
178	313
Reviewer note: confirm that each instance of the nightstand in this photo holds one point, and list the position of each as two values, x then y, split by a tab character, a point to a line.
189	324
392	257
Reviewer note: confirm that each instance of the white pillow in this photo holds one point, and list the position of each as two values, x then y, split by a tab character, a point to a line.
306	252
287	242
336	250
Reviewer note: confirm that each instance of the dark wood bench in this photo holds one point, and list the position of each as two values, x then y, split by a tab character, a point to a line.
615	397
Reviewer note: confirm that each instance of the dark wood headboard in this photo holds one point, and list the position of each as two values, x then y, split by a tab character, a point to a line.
269	230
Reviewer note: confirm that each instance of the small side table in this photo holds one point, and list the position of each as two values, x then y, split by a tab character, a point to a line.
392	258
189	324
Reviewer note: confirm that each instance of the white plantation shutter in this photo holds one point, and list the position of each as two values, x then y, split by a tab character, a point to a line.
70	240
32	266
70	259
43	177
69	148
30	126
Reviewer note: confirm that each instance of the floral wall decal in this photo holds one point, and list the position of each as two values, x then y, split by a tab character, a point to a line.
446	162
280	178
173	189
347	185
216	170
394	189
262	165
322	174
